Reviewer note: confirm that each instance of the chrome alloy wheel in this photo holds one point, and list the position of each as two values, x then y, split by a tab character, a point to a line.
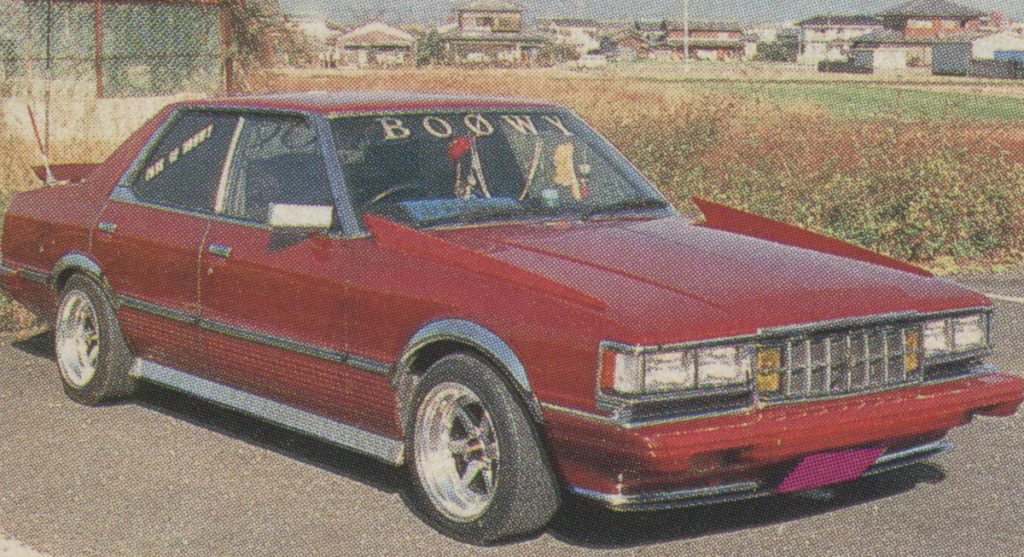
78	339
456	452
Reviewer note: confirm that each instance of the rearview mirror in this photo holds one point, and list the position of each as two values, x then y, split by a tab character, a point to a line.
306	217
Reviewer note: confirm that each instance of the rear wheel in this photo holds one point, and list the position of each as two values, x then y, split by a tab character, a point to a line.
479	473
92	356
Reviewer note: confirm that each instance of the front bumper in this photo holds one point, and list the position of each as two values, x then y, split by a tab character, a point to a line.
726	458
745	490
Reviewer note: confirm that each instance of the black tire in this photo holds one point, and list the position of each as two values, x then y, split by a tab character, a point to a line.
525	493
110	381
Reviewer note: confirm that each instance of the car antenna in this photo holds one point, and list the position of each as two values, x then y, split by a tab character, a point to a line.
43	151
44	147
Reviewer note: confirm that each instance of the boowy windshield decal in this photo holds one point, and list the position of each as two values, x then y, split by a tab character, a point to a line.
396	128
161	164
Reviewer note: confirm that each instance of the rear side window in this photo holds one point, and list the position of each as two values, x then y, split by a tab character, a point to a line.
184	170
277	160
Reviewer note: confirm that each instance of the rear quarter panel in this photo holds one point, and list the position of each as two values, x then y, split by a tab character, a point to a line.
45	224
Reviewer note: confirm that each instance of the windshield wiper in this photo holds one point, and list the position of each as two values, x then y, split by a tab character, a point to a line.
646	204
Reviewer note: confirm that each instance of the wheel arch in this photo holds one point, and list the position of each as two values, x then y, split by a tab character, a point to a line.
79	263
441	338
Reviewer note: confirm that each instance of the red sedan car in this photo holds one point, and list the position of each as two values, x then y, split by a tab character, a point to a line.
486	291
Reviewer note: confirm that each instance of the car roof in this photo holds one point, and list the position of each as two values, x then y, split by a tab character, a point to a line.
354	102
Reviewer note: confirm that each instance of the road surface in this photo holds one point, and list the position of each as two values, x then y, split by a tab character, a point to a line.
170	475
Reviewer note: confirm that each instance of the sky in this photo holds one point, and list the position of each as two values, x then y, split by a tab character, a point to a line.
747	11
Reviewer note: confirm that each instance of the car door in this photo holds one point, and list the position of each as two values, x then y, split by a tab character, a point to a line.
272	313
149	235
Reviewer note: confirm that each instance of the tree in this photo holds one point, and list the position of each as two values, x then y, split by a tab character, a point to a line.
554	53
430	49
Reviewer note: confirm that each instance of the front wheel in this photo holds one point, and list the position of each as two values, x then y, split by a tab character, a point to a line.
479	473
92	355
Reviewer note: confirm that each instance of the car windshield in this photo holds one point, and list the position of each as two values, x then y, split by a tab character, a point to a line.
457	168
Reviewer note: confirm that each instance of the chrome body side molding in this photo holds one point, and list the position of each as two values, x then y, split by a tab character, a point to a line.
674	499
358	362
376	446
34	275
467	332
78	262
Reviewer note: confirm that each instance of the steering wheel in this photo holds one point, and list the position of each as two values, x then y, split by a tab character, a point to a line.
395	190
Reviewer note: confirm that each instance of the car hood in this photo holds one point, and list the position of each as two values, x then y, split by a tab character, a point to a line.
669	280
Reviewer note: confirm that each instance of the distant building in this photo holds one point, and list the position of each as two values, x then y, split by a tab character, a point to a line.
708	40
985	48
376	44
581	34
491	31
912	30
830	37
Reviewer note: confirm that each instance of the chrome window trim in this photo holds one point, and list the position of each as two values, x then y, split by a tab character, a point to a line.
349	226
229	163
354	361
382	448
344	211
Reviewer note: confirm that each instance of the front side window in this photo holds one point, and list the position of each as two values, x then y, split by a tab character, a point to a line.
183	171
277	160
458	168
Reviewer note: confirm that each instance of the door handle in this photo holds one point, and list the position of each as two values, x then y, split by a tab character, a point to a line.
107	227
219	250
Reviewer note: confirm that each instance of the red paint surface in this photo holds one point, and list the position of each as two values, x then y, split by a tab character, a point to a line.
726	218
74	172
608	459
824	469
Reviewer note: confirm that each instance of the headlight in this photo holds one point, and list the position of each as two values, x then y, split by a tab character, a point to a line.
955	335
643	372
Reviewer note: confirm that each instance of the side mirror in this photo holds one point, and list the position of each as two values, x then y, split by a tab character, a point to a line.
301	217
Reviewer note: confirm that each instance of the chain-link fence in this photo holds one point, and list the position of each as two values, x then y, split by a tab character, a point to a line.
111	49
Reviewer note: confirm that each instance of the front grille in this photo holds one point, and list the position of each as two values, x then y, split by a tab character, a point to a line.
847	362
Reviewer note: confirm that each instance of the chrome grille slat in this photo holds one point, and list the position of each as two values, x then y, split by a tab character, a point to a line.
829	362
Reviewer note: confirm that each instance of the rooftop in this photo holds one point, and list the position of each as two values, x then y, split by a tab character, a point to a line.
704	25
932	8
489	6
841	21
894	37
327	102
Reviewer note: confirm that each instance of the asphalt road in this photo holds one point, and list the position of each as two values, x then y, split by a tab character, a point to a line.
170	475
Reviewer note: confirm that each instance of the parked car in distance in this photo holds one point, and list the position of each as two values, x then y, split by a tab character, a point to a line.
486	292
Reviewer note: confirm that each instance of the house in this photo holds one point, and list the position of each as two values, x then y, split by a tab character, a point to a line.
376	44
830	37
581	34
912	31
708	40
1007	41
491	31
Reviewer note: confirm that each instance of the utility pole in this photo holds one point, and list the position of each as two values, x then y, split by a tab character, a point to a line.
686	36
